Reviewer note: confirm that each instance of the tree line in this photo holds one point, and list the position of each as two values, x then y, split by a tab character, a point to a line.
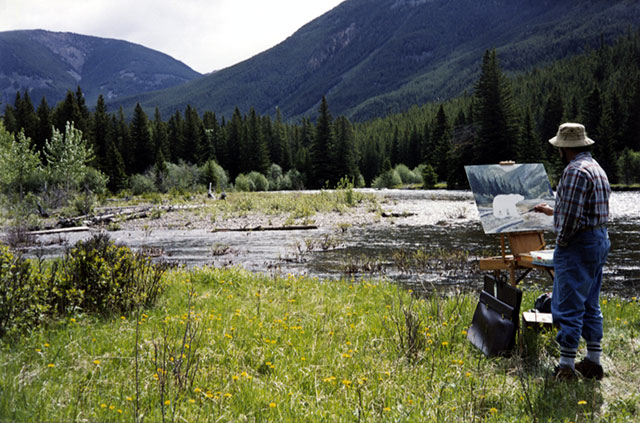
505	118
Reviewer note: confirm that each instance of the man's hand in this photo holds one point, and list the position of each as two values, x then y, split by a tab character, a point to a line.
543	208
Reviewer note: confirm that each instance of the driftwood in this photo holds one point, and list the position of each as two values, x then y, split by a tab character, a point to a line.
124	214
396	214
61	230
267	228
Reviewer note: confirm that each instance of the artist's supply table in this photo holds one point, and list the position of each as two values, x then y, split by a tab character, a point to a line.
522	244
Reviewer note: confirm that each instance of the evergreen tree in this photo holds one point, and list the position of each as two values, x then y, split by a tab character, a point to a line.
160	136
552	117
123	142
592	113
604	148
256	156
442	142
216	136
234	130
43	131
195	144
114	167
346	164
322	149
100	133
66	111
631	138
9	119
143	148
26	118
83	119
176	137
395	147
495	115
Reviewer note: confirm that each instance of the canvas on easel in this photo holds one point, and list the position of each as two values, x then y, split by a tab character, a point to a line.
505	195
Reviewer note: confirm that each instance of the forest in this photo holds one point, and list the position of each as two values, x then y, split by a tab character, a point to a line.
70	148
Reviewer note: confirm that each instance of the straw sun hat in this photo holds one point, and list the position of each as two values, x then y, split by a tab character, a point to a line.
571	135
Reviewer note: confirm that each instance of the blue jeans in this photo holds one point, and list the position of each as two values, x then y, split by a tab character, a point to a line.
575	303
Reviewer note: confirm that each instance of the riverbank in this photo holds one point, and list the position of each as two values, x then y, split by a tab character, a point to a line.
229	345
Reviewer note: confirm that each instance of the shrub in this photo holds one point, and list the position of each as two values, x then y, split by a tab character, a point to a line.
183	177
293	180
259	181
406	175
212	173
23	294
243	183
98	276
388	179
141	184
94	181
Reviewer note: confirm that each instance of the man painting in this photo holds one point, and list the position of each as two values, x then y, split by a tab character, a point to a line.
582	244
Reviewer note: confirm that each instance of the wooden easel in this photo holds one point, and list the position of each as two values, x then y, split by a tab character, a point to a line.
520	245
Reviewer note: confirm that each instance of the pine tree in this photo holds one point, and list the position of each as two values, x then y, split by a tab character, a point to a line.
592	113
346	164
552	117
66	111
257	154
176	137
494	114
99	133
43	131
26	118
160	136
144	150
322	149
234	130
442	142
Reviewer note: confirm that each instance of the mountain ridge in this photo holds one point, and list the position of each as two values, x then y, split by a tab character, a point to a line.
47	63
375	57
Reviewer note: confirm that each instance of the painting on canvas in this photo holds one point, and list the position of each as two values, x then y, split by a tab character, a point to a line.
505	196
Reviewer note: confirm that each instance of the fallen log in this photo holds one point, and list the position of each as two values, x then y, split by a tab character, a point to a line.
397	214
268	228
60	230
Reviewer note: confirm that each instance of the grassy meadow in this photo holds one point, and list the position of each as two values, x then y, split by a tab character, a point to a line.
227	345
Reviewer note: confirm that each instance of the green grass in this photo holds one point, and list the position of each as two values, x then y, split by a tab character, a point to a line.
229	345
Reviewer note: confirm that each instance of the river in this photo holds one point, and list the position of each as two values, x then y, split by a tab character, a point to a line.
413	249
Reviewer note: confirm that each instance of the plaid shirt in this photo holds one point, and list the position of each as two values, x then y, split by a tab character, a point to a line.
582	198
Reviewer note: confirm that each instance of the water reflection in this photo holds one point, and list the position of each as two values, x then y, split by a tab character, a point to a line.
430	220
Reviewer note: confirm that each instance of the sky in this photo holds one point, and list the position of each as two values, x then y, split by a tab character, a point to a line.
206	35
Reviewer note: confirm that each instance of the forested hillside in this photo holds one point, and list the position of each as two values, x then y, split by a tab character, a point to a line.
503	119
371	58
46	63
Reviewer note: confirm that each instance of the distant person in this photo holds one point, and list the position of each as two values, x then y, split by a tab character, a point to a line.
582	245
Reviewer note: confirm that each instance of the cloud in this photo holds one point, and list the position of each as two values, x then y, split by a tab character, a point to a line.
205	34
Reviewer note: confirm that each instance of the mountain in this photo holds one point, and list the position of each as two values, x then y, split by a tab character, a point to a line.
374	57
50	63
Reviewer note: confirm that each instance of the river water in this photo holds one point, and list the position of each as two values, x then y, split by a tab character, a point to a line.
414	248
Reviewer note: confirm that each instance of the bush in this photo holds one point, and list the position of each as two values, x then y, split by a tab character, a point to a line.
629	167
259	181
95	181
406	175
182	177
141	184
243	183
98	276
293	180
212	173
23	293
388	179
